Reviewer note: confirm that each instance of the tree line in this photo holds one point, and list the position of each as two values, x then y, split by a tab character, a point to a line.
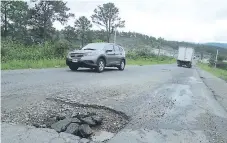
34	25
29	25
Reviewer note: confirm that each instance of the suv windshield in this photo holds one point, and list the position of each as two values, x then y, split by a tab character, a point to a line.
94	46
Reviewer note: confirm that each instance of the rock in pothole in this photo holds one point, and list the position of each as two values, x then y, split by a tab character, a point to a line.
74	115
97	119
43	126
36	125
50	121
89	121
75	120
77	126
72	128
60	117
85	130
61	125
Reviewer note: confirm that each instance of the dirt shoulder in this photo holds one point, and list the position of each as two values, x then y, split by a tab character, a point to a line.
216	85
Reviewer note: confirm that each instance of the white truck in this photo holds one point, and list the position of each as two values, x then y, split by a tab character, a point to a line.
185	56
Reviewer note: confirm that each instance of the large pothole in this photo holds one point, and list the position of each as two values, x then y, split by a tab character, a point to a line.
97	123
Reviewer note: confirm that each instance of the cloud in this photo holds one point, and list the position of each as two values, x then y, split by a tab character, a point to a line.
183	20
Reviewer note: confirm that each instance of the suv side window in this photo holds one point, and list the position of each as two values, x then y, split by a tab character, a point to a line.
109	47
119	48
116	48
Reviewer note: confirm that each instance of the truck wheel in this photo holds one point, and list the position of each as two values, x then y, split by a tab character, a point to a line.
122	65
100	65
179	65
73	67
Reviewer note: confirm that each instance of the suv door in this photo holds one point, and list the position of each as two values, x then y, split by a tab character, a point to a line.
110	54
118	55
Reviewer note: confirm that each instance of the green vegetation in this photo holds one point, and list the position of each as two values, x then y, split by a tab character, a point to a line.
29	40
34	64
11	51
149	61
219	64
19	56
142	57
215	71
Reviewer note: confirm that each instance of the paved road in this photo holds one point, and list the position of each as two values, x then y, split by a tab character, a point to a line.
166	103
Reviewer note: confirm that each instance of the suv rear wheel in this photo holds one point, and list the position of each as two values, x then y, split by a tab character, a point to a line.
100	65
122	65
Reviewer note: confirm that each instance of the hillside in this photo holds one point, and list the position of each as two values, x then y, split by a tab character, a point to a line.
137	41
132	40
222	45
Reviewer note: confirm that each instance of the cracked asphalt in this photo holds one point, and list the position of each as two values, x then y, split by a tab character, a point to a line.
165	103
26	134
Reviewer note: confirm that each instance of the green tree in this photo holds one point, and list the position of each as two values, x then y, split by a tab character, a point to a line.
83	26
160	44
107	16
20	18
220	58
70	33
44	14
99	34
14	16
6	12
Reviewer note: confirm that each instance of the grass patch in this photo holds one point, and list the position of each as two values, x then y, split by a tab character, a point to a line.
34	64
149	61
48	63
215	71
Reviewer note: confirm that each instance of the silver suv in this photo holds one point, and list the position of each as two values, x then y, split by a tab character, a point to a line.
98	56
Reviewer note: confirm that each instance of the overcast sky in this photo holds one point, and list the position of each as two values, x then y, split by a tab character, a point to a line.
182	20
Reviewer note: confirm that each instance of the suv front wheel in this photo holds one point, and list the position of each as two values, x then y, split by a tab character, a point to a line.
73	67
100	65
122	65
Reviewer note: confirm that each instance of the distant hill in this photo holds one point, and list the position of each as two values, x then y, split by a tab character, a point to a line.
131	40
222	45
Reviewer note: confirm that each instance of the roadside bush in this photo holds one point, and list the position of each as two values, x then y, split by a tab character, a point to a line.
220	64
162	58
48	50
146	55
211	61
61	48
4	50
